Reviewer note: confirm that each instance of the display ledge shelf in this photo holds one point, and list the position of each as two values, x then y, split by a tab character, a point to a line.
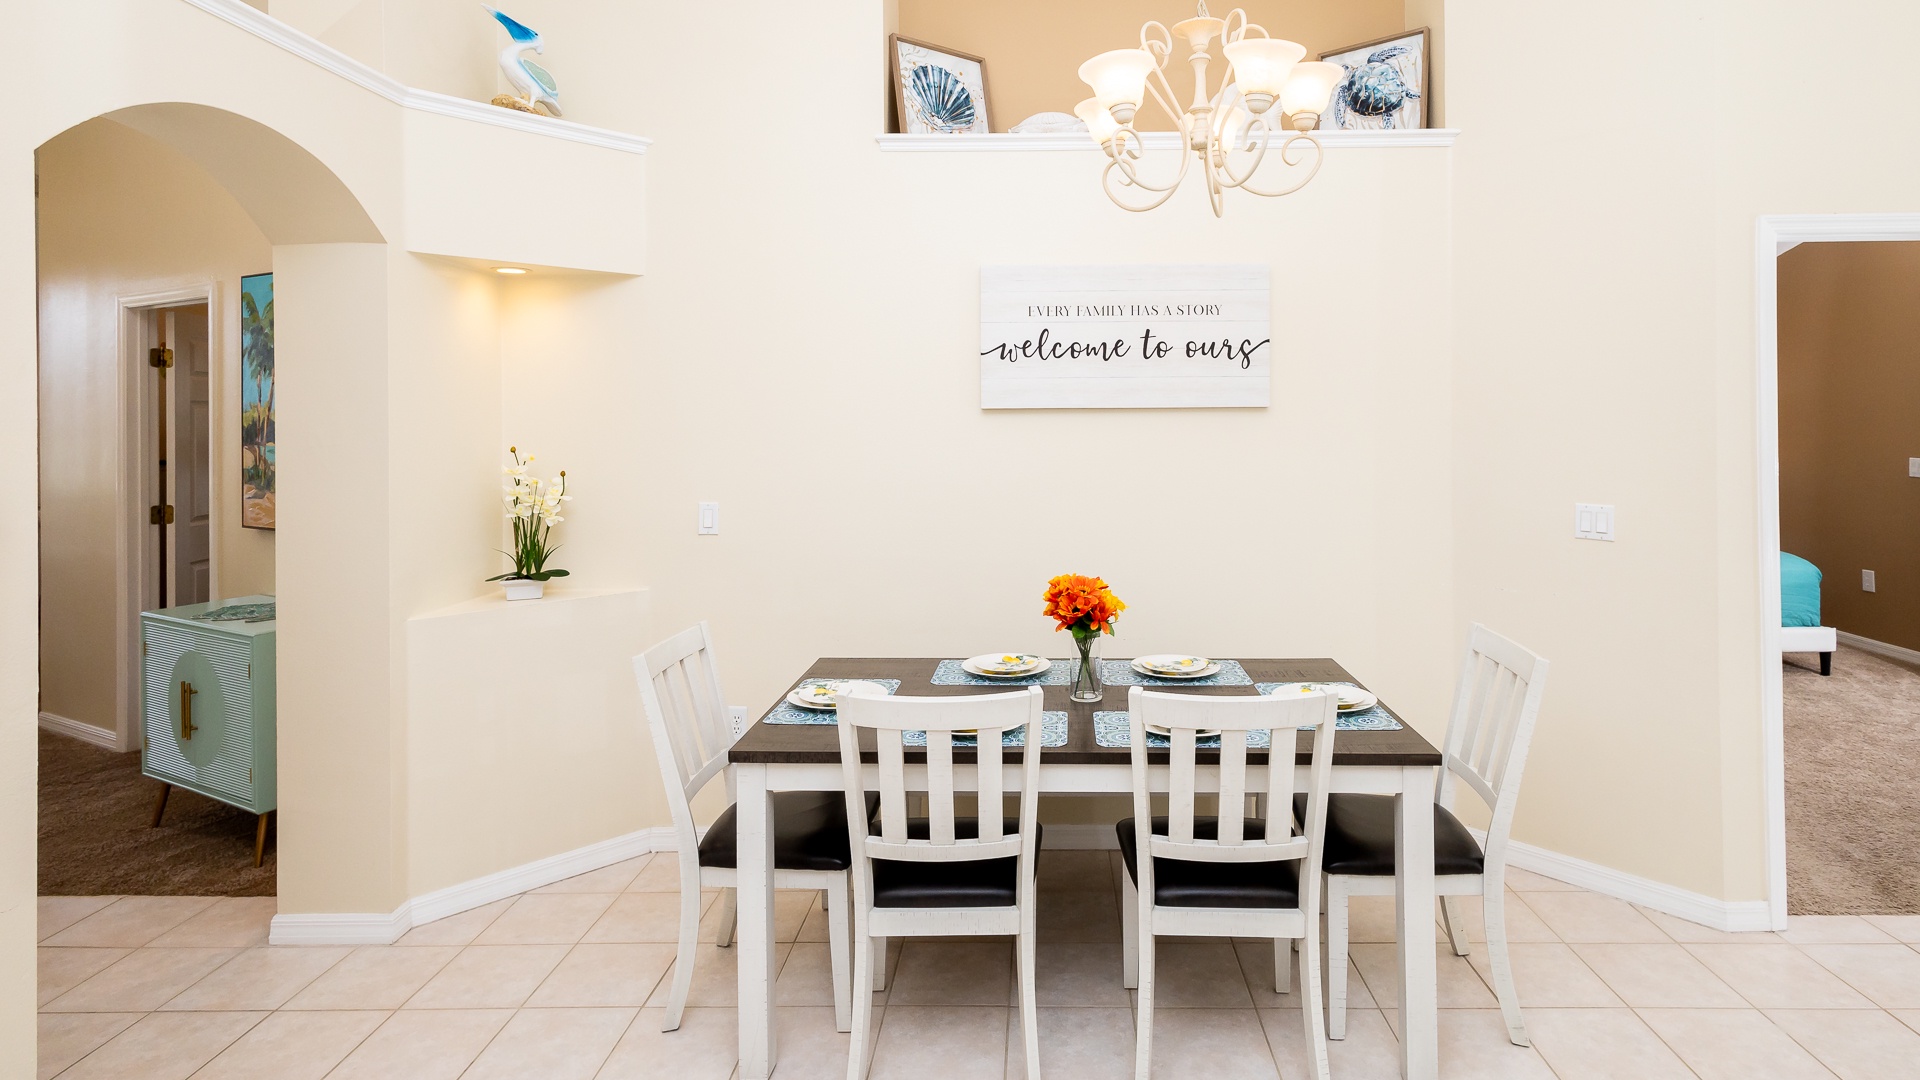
1001	141
274	32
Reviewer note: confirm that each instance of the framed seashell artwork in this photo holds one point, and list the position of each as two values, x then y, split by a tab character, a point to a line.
1385	87
937	91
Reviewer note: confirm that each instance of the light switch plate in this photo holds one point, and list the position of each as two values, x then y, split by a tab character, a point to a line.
1913	466
1592	521
709	519
1866	581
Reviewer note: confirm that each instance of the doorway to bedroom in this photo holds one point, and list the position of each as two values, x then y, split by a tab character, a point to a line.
1849	565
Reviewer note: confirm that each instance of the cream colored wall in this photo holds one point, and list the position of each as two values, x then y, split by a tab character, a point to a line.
1033	48
121	214
442	45
809	333
1849	396
1605	329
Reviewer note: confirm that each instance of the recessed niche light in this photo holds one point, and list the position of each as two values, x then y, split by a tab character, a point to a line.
509	269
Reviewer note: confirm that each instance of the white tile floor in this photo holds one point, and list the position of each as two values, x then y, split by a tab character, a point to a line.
566	983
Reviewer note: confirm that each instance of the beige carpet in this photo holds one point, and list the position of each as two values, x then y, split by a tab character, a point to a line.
95	807
1853	786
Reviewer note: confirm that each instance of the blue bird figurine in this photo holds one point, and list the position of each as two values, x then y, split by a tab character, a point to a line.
536	85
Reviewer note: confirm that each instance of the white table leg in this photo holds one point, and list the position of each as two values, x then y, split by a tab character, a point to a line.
753	943
1413	902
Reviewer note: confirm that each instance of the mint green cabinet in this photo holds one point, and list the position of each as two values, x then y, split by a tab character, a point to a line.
207	704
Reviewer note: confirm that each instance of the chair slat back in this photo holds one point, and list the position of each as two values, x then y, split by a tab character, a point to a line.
1494	709
688	716
890	718
1183	717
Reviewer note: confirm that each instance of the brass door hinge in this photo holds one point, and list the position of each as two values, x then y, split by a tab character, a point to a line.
160	515
160	358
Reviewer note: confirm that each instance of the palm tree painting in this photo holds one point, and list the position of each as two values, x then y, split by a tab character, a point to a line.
256	401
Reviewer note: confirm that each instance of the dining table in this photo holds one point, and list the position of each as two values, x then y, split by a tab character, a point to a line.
785	751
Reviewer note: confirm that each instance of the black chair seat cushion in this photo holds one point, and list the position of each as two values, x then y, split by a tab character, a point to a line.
1195	884
1360	837
809	832
898	883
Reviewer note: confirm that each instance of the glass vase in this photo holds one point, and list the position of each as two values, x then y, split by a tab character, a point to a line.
1086	673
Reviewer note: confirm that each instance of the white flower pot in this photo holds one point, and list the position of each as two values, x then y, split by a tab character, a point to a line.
523	588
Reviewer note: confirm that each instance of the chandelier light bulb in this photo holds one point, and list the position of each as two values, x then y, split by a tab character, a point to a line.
1309	89
1261	67
1119	80
1100	122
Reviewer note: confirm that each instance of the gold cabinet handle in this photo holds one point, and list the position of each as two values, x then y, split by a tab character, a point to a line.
187	726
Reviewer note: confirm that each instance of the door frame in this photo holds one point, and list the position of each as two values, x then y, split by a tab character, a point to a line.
136	566
1774	236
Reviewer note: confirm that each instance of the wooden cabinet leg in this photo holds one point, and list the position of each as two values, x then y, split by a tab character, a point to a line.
160	804
260	841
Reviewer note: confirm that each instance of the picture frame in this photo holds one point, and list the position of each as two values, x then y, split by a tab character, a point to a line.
937	90
257	469
1393	87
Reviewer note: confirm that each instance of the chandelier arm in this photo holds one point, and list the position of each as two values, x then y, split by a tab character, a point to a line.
1286	152
1226	31
1159	46
1130	175
1258	148
1106	183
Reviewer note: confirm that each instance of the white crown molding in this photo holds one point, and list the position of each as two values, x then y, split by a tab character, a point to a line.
1006	141
384	929
75	729
1865	644
1732	916
274	32
1788	231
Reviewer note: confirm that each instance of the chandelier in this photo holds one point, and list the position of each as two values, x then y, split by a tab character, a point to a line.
1231	132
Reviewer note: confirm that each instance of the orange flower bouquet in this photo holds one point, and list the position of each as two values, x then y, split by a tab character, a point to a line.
1084	607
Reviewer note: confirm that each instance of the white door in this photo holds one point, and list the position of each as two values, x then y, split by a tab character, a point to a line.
189	450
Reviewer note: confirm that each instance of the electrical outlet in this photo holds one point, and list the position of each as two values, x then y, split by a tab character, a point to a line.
1866	581
739	715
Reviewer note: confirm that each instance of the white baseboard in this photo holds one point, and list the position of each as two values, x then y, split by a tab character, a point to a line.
384	929
75	729
1865	644
1728	915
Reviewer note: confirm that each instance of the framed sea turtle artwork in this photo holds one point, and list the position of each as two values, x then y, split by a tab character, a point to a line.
256	402
937	91
1385	88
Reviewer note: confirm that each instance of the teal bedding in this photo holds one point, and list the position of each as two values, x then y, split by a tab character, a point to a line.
1799	591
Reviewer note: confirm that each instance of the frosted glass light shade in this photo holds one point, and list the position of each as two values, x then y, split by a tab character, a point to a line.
1100	123
1118	78
1261	65
1310	87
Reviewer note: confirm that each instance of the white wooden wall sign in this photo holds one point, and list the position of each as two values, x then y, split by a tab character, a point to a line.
1125	337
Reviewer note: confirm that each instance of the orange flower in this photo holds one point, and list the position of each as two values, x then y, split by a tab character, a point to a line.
1084	605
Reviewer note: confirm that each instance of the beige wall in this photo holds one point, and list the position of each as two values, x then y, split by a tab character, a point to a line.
1849	420
1033	48
121	214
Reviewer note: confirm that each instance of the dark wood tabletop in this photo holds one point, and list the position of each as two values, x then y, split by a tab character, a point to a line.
790	744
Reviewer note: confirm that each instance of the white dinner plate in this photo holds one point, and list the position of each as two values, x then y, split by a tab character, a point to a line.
1352	698
1167	733
824	694
991	666
1175	666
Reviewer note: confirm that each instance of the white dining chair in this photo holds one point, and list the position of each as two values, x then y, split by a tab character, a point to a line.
692	731
1226	876
944	874
1494	708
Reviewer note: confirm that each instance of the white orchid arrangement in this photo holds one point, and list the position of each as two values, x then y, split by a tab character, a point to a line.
533	506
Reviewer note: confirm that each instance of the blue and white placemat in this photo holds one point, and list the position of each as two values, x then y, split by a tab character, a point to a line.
950	673
1113	729
1373	719
1121	673
788	713
1053	732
